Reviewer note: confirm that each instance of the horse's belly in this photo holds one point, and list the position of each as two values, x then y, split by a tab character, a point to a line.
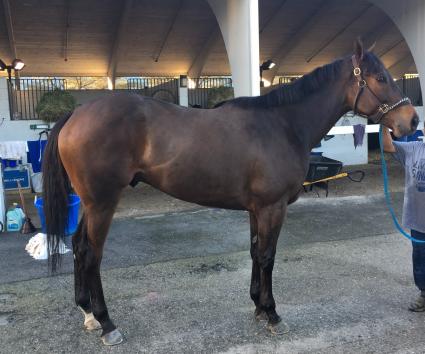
200	187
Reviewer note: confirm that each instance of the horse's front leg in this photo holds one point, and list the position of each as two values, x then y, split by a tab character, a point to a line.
269	221
254	290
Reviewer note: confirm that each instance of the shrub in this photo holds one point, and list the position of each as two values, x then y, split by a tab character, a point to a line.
54	105
219	94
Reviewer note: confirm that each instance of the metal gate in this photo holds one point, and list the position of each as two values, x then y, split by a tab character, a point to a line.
163	88
209	89
411	88
24	95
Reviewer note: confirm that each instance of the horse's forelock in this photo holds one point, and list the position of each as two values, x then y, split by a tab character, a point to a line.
372	64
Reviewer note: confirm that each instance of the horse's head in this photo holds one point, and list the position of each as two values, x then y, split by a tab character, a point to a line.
375	95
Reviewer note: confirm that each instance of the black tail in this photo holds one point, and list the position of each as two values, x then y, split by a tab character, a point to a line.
56	187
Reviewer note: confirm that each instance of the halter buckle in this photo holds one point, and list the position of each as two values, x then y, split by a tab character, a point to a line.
357	71
362	83
384	108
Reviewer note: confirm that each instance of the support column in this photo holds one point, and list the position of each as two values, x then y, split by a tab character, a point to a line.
238	21
183	91
409	16
4	116
4	100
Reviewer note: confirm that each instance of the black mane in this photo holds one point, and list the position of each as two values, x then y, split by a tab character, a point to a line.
306	85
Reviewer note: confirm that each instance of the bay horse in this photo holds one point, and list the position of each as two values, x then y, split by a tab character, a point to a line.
249	153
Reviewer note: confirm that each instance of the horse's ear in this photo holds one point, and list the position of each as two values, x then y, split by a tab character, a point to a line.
372	47
358	49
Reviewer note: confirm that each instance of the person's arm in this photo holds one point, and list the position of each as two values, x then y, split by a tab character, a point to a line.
387	140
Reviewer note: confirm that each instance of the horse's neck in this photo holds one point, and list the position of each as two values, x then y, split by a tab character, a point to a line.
320	111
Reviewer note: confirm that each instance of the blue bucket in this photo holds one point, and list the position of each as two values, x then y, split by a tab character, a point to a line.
73	209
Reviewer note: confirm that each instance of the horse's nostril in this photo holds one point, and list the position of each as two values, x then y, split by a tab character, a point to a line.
415	122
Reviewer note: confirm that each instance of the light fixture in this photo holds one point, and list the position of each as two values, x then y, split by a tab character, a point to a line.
183	80
17	65
267	65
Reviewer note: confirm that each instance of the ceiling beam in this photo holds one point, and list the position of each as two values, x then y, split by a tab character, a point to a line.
390	47
9	26
376	33
119	35
11	36
65	44
399	67
201	57
319	49
289	44
275	14
167	33
370	37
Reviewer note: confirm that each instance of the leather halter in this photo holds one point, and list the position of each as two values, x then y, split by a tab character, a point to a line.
383	108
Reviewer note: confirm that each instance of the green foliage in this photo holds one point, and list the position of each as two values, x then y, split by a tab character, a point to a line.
219	94
54	105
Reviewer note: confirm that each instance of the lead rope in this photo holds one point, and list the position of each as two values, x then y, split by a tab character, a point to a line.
387	194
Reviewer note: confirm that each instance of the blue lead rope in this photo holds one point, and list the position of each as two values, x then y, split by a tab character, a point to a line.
387	194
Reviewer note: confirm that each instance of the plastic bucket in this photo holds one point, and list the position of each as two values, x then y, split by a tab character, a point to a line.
73	209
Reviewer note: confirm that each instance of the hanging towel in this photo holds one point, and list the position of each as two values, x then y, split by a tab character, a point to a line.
13	150
35	154
359	132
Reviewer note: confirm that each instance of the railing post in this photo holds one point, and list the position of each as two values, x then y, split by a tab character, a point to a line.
183	91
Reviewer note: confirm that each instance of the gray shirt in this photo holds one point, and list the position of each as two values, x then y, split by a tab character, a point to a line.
412	156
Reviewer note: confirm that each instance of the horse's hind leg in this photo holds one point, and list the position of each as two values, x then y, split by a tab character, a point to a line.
88	245
82	293
99	218
270	221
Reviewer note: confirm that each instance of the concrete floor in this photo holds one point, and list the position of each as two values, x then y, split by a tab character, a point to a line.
177	281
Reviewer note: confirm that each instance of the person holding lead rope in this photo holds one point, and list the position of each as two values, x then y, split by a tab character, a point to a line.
412	157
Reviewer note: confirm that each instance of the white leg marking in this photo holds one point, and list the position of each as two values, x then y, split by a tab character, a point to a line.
90	322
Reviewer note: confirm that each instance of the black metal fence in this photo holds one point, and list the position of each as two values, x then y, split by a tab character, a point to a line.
411	88
24	95
287	79
208	91
163	88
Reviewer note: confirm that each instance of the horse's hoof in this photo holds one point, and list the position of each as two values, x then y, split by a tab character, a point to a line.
278	329
90	323
112	338
261	315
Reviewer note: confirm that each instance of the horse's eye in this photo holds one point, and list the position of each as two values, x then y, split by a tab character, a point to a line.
381	78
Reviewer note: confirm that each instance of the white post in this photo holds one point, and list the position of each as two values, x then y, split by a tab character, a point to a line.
4	115
183	91
4	100
238	21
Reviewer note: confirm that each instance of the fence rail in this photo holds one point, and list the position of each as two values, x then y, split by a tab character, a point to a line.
25	94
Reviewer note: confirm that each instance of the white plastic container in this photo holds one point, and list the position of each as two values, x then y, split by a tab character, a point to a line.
14	219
